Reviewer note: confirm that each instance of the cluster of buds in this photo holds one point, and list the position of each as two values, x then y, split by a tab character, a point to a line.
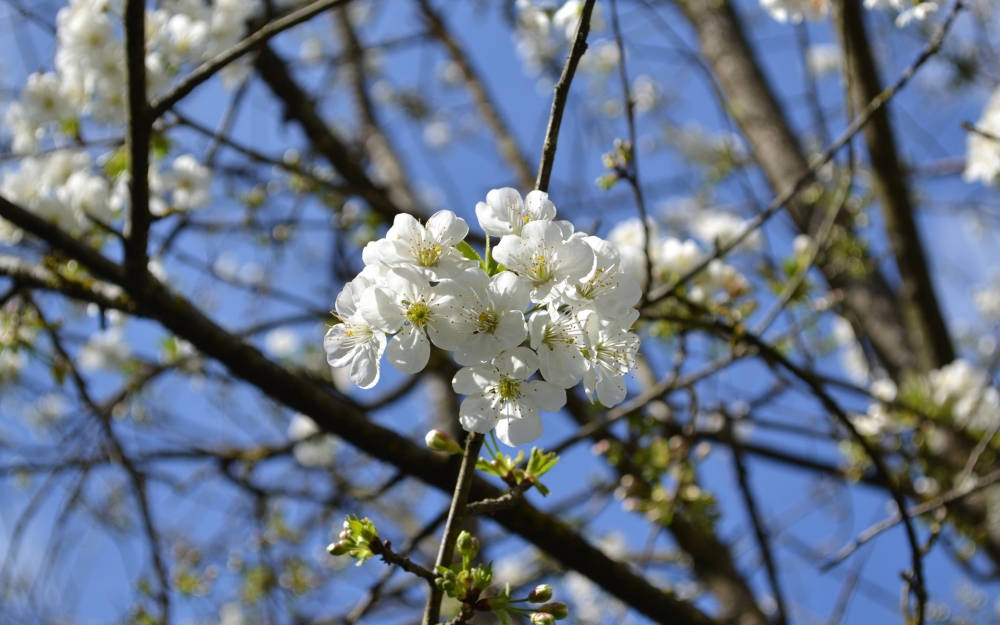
546	614
463	581
356	539
617	161
507	468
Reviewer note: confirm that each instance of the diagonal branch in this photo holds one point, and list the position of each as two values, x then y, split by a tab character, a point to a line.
485	107
299	107
209	68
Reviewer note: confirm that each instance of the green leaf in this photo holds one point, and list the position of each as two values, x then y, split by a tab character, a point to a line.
468	252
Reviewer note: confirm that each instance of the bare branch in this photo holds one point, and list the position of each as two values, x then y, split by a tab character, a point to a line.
576	52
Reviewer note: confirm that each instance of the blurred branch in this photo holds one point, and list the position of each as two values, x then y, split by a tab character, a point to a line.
759	525
212	66
963	490
276	73
485	107
380	150
921	314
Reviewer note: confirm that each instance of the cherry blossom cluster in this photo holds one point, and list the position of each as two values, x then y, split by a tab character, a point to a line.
673	258
797	10
544	299
63	185
89	76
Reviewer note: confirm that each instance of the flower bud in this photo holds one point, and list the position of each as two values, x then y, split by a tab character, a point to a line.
468	545
439	441
557	609
540	594
542	618
337	549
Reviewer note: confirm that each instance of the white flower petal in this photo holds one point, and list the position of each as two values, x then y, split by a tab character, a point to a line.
519	363
543	395
517	427
409	350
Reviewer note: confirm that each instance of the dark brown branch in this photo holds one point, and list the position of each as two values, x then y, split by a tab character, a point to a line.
377	144
137	140
576	52
756	110
390	557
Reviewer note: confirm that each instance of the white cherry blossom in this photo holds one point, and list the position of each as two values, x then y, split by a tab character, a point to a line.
495	308
559	341
430	248
409	306
612	349
499	396
505	213
609	292
629	237
796	10
187	181
353	342
983	152
542	257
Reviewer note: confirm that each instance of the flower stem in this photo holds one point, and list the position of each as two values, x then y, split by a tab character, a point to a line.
456	517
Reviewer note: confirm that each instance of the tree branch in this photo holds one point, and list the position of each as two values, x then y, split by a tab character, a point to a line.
576	52
209	68
921	313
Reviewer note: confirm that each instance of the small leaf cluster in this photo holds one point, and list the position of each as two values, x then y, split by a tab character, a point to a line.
507	469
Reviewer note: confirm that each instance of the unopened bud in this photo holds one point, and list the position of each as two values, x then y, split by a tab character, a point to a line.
468	545
542	618
557	609
337	549
439	441
540	594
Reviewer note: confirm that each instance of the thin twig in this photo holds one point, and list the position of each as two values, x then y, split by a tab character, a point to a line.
561	94
210	67
951	496
761	532
781	199
489	506
631	172
456	517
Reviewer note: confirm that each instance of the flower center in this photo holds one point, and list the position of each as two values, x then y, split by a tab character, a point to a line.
418	314
508	388
542	271
428	256
487	321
